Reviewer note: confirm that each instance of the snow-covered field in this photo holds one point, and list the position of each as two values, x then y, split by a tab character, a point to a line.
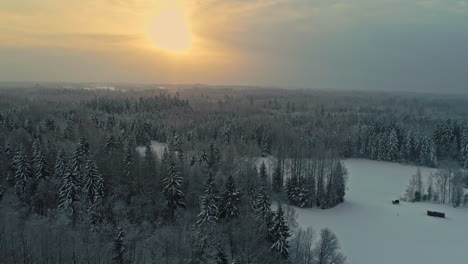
374	231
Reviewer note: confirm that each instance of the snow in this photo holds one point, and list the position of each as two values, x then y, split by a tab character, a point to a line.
270	163
156	147
373	230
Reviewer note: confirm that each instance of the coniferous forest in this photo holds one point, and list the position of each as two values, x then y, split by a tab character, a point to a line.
197	174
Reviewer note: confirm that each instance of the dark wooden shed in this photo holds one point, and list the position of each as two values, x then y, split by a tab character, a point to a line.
436	214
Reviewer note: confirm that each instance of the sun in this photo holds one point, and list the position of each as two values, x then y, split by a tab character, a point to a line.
170	31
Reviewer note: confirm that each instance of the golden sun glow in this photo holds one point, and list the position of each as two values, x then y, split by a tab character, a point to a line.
170	31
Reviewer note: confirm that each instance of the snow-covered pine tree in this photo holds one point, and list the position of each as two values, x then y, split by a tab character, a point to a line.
263	213
277	179
60	166
304	197
199	245
320	189
339	183
230	200
203	158
128	163
78	159
68	193
149	160
119	250
392	146
172	190
39	165
280	234
93	184
221	257
209	203
263	173
292	190
265	144
23	179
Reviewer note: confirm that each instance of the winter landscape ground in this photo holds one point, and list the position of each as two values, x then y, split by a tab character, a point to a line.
373	230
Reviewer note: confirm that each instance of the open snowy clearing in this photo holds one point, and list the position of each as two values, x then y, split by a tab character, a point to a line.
373	230
156	147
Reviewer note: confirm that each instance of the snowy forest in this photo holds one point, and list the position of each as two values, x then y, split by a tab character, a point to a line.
197	174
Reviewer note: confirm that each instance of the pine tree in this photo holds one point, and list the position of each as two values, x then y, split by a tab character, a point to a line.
68	193
93	184
277	179
39	163
230	200
209	203
263	173
320	191
150	162
263	214
60	167
119	248
79	158
264	145
293	190
128	163
339	183
23	178
392	146
280	235
221	257
172	190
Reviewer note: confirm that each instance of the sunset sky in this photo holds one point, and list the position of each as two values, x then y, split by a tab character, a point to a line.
411	45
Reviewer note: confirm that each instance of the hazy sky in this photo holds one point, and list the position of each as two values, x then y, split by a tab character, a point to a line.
414	45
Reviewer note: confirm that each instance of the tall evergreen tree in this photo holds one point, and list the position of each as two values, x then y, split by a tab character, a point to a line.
23	179
230	200
39	164
280	234
209	203
277	179
172	190
93	184
221	257
263	173
263	213
60	166
128	164
69	192
119	250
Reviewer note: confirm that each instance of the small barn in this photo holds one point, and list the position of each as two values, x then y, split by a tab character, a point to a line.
436	214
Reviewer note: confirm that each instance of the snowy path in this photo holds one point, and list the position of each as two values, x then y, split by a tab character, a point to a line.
372	230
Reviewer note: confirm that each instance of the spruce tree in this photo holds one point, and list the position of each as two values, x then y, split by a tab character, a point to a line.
60	166
128	164
221	257
172	190
230	200
119	250
93	184
23	179
263	214
277	179
209	203
263	173
68	193
280	234
39	165
392	146
339	183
